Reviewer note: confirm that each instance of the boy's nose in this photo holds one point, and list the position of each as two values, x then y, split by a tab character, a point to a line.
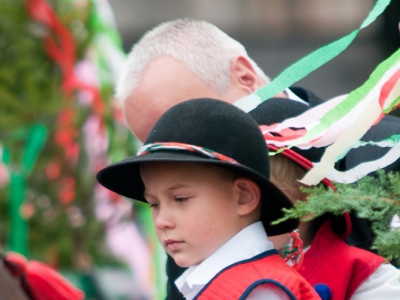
163	219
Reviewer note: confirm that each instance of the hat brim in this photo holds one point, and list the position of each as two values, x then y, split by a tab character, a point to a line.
124	178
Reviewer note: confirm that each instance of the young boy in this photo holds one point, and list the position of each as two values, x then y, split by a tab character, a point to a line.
349	272
204	170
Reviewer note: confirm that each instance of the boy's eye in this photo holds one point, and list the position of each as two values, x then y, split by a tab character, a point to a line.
153	205
181	198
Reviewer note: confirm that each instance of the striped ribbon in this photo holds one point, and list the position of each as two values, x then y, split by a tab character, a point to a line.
309	63
340	124
146	149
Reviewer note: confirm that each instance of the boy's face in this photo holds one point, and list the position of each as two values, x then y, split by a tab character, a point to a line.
193	208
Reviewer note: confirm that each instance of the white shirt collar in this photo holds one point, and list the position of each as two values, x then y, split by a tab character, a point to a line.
246	244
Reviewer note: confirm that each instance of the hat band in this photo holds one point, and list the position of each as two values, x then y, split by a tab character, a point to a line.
185	147
301	161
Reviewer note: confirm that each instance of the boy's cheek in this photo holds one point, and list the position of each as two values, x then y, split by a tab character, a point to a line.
160	238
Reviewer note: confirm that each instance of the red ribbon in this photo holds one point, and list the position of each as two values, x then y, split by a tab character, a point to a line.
60	47
62	52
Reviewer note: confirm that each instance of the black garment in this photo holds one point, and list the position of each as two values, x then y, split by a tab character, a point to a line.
10	287
173	273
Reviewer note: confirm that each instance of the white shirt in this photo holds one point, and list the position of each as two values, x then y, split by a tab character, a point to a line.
384	283
246	244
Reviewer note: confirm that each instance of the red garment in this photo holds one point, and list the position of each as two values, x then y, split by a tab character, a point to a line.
41	281
238	280
332	262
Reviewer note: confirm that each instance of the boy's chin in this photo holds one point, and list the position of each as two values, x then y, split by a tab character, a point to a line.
185	262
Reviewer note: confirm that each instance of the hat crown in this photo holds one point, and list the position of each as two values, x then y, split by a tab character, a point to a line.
215	125
277	110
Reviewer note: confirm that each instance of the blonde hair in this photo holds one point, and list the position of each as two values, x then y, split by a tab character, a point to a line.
285	175
202	47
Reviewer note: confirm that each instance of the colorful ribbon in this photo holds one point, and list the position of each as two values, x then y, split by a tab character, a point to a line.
293	252
309	63
381	94
342	122
319	127
146	149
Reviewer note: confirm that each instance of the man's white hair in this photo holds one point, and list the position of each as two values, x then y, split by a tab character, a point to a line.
202	47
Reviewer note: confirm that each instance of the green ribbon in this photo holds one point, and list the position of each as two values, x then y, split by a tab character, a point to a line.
18	225
36	140
316	59
391	141
145	219
6	157
395	103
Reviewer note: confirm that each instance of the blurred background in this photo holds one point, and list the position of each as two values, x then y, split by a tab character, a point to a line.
277	33
59	122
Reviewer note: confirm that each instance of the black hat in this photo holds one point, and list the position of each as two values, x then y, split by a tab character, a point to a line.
205	131
276	110
307	96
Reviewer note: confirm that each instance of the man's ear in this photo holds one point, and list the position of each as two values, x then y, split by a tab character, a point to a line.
244	76
249	195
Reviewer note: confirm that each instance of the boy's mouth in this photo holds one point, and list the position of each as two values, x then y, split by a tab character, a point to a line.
172	245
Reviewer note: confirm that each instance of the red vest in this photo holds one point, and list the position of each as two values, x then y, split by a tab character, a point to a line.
238	280
332	262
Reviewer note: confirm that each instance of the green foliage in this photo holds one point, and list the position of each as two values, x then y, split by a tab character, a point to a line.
30	93
375	199
25	94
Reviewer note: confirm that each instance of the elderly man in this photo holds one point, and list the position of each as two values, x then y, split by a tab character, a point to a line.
180	60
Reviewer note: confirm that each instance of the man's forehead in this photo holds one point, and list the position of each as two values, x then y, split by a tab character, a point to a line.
163	65
164	83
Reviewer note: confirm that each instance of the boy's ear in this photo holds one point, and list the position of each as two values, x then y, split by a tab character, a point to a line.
244	76
249	195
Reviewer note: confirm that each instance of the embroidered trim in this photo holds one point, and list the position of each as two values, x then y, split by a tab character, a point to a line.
302	161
